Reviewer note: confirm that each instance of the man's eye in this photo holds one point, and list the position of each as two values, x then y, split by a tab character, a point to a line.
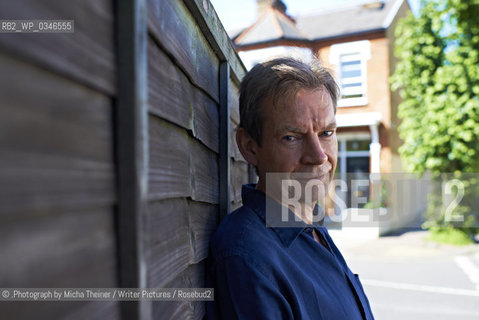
289	138
328	133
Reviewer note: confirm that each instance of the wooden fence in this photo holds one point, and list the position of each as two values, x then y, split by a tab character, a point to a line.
117	152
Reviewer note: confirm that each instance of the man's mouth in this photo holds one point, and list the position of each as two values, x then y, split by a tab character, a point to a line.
320	175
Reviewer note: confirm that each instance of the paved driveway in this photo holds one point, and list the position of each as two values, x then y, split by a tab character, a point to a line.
408	277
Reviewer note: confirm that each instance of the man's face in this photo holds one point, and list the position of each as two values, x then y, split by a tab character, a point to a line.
299	139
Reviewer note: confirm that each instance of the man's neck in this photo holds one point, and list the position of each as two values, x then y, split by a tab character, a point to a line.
305	212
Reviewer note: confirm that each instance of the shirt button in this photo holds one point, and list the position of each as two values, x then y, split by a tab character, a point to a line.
308	229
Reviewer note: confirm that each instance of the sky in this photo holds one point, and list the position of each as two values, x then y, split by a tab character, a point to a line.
235	14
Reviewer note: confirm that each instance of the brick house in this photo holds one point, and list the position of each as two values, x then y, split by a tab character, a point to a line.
356	42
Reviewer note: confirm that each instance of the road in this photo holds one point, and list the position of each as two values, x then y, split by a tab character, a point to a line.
407	277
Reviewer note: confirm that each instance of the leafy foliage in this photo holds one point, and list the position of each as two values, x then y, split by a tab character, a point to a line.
438	79
449	236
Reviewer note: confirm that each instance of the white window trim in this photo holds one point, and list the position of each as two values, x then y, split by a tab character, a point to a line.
362	135
362	47
343	154
343	139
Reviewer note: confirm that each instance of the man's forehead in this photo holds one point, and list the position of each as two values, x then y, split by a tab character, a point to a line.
293	111
316	103
300	126
290	97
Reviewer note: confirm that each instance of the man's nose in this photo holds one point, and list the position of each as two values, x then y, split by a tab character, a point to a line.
313	152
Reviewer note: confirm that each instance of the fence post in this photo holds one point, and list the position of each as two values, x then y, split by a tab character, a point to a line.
131	149
224	165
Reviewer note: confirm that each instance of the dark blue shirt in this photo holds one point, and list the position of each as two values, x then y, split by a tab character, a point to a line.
261	272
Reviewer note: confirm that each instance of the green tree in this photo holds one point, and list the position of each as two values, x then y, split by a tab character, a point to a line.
438	79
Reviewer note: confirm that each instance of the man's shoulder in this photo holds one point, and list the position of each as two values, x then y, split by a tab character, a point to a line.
241	233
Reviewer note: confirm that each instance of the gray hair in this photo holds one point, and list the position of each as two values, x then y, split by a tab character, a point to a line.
279	81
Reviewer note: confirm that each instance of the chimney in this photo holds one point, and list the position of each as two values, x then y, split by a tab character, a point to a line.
378	5
262	5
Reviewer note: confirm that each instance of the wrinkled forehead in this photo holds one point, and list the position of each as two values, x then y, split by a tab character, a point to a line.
314	105
288	98
291	102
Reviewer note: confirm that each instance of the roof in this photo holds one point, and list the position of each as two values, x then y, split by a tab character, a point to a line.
271	25
352	19
348	20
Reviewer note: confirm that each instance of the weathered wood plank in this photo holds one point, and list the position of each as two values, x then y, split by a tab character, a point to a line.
174	98
167	241
100	310
233	98
55	141
235	205
86	55
33	183
208	21
46	113
205	179
173	26
63	249
169	158
170	94
177	235
233	186
192	277
180	166
203	219
72	310
239	176
206	120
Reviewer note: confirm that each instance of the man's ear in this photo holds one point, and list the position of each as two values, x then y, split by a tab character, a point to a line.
247	146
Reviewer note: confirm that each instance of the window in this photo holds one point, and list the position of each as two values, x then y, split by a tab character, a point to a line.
353	164
350	60
358	145
350	76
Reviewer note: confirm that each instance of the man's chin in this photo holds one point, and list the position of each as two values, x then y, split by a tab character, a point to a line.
298	185
314	181
312	191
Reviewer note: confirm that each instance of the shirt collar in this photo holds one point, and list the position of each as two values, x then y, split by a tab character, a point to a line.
256	200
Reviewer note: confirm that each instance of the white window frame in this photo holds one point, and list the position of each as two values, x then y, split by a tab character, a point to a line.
343	154
363	48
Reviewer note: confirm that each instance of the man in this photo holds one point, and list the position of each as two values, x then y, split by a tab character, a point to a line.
263	270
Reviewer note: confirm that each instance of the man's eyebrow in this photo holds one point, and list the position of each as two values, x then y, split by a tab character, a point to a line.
332	124
288	128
